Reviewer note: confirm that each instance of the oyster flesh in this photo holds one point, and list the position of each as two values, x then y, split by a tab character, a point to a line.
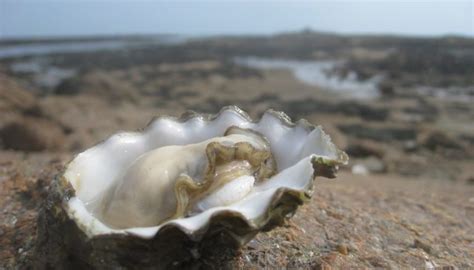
177	180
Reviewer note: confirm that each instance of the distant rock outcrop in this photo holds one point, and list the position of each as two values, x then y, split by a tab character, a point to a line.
23	126
14	98
32	134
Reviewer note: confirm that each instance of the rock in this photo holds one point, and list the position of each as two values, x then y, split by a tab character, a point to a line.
380	134
424	111
446	145
32	134
321	266
377	262
470	180
408	165
386	89
438	140
468	138
342	249
67	87
101	84
13	97
301	108
365	148
422	245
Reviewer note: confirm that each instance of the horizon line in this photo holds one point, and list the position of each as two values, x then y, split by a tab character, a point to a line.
97	36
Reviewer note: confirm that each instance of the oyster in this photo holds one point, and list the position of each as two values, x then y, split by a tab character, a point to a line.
173	181
179	186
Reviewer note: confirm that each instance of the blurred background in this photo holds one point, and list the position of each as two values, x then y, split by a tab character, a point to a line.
391	81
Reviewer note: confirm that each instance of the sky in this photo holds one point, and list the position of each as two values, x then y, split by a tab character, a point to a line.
39	18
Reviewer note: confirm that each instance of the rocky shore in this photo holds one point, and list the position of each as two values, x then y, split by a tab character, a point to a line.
406	200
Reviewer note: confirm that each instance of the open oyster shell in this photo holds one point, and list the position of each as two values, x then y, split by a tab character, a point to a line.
76	232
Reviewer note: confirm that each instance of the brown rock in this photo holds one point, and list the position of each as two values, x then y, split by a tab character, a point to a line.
322	266
470	180
13	97
342	249
330	258
365	148
31	134
377	262
387	89
422	245
438	140
102	84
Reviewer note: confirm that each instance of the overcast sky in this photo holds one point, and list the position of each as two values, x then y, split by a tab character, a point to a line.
23	18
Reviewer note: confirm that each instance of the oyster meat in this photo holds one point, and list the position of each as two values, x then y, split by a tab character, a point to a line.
173	181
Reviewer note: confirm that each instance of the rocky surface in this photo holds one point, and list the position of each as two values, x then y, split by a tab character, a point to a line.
380	221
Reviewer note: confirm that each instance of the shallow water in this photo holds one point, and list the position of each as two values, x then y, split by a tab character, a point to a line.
315	73
452	93
48	76
44	74
39	48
